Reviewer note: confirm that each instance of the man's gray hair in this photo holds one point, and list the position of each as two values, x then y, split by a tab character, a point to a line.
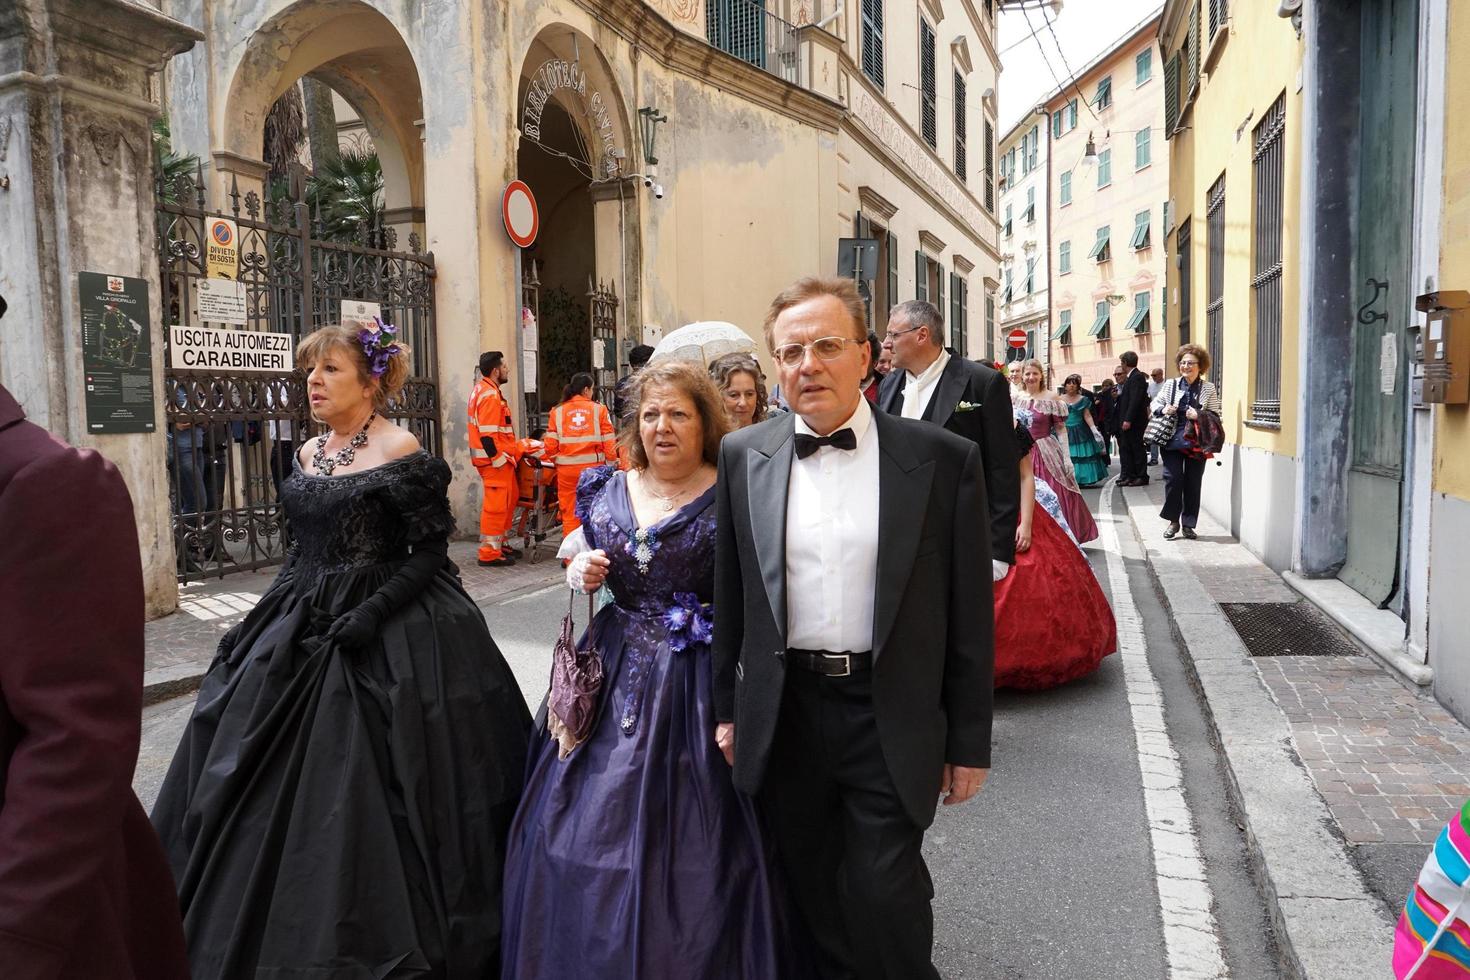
918	313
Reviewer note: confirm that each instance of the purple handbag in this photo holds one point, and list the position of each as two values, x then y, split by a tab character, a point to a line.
576	680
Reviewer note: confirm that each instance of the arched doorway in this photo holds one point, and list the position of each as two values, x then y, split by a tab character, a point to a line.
574	153
298	262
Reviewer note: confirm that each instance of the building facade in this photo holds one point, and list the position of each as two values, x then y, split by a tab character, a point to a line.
1322	258
1110	187
1024	298
688	159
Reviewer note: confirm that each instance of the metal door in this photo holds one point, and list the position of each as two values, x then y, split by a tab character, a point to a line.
1385	218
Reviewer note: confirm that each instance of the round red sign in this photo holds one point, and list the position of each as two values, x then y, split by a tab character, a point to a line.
518	209
1016	338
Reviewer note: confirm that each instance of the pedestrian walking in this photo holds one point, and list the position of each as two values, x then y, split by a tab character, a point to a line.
1013	375
1044	415
742	387
85	890
1155	382
632	855
494	454
579	436
1084	440
1183	398
847	761
934	384
340	799
1052	622
1133	414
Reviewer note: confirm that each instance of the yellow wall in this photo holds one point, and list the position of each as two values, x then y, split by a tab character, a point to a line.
1258	61
1452	435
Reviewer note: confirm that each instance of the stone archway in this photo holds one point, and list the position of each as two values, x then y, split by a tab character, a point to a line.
577	151
359	53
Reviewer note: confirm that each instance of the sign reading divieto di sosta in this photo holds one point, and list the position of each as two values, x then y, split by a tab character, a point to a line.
209	349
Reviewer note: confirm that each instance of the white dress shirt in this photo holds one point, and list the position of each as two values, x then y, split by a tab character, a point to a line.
832	542
919	388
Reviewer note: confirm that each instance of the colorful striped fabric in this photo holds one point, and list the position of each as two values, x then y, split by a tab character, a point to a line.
1432	941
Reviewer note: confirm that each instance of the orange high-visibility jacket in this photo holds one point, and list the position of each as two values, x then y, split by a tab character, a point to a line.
580	431
492	438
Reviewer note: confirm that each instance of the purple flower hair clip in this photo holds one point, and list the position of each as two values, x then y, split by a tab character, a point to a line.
379	345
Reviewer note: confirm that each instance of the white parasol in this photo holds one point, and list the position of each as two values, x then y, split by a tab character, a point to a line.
700	343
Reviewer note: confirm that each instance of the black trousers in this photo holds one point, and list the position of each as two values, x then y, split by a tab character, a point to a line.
850	851
1133	457
1182	478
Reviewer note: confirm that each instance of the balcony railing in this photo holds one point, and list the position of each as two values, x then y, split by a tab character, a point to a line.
746	29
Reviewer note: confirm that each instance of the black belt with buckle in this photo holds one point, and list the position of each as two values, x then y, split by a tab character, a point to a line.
830	664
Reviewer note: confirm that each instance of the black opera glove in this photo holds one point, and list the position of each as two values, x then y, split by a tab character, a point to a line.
357	627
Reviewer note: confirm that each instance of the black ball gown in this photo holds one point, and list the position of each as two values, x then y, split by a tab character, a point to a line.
341	810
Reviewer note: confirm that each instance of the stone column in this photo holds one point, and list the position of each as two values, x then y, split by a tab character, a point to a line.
76	195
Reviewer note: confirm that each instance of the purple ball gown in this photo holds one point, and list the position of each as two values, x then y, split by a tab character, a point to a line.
635	856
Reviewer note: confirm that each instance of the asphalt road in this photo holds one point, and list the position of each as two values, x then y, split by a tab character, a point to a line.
1049	873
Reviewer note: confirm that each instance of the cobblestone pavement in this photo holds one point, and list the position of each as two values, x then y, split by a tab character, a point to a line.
179	646
1391	763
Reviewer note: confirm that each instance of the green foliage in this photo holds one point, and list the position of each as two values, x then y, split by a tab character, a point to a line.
346	192
171	165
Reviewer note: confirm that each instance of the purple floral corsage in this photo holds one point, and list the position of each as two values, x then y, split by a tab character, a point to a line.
379	345
689	621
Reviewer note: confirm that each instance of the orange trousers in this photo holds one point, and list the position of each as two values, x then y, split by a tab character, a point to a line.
566	494
498	509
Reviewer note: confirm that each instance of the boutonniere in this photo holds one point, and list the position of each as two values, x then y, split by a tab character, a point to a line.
967	406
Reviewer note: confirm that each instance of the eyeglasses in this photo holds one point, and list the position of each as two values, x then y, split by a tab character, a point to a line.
826	348
898	333
1189	363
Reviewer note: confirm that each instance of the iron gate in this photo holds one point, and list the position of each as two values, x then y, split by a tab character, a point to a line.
231	436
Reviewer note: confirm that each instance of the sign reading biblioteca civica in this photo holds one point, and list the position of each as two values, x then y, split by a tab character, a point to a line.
209	349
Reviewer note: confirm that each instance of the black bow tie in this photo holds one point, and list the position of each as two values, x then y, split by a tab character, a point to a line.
841	439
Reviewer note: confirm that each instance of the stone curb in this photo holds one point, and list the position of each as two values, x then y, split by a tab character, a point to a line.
1327	922
1377	631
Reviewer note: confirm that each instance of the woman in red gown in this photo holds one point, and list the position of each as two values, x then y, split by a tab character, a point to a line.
1052	622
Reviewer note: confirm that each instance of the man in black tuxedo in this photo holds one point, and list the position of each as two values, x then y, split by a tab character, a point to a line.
972	400
853	646
1133	412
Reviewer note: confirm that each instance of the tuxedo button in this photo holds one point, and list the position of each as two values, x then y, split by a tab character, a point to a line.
781	655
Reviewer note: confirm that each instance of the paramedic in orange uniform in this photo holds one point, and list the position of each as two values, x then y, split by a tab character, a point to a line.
579	434
493	450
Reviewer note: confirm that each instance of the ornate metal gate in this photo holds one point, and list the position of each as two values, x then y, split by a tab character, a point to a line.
602	311
231	435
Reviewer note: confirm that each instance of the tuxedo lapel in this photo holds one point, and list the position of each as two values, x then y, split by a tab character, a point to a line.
903	495
890	393
768	478
947	393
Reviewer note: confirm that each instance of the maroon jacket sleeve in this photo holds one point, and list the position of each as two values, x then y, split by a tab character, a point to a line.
71	676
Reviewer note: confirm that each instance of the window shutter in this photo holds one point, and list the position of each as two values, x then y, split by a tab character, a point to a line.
962	289
1171	95
921	276
873	41
1192	81
960	133
928	85
939	289
892	271
989	167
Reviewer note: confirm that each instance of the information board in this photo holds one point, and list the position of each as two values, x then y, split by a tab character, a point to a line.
117	353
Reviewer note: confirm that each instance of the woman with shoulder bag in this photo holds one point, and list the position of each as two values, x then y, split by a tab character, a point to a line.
1183	399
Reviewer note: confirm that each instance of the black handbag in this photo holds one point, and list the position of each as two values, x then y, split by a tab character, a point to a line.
1161	427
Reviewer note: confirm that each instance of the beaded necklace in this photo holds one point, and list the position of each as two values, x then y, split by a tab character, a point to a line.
342	457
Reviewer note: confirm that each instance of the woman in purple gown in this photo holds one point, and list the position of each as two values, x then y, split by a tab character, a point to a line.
1044	416
633	855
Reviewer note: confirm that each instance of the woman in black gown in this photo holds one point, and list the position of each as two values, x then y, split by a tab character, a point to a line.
339	803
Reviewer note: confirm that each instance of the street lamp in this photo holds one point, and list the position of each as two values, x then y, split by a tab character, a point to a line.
648	120
1089	157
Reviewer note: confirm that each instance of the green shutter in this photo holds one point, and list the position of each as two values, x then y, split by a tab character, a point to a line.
1056	124
1188	84
1063	334
1100	325
1065	195
892	273
1071	115
1171	95
1031	276
939	289
1064	258
954	310
1104	168
1100	248
962	287
1138	323
1142	149
1144	66
921	276
1141	225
